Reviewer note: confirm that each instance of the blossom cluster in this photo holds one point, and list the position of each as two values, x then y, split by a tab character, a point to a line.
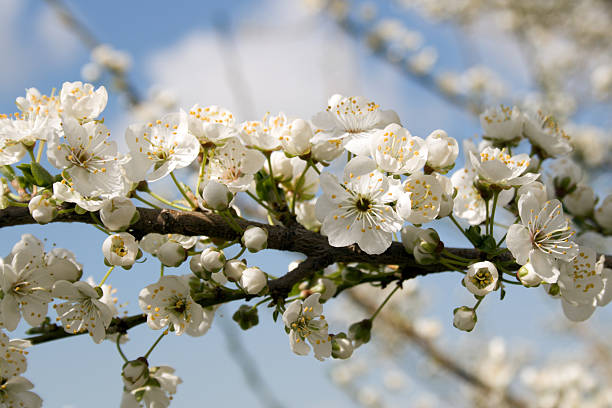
391	184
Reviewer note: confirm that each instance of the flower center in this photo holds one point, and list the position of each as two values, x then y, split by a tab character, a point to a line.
118	247
482	278
363	204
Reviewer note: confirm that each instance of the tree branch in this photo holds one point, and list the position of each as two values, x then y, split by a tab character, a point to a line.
294	239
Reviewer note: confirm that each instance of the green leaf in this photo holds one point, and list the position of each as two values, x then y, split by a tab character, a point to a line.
41	176
7	171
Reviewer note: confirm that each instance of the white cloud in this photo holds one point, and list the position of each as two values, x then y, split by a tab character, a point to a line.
284	61
57	42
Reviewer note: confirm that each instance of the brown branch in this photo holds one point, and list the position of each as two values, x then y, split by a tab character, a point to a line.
445	360
294	239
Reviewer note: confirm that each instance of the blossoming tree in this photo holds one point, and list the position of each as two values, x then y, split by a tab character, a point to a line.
392	184
272	184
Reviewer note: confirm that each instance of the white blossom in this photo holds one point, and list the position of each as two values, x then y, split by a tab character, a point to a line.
481	278
350	119
120	249
27	276
282	166
497	167
255	238
83	309
234	165
233	269
603	213
89	158
171	249
159	148
581	201
211	124
295	138
421	200
359	211
502	124
81	102
397	151
464	318
253	280
544	133
16	393
118	213
301	319
580	282
442	150
212	260
169	302
215	196
542	237
42	209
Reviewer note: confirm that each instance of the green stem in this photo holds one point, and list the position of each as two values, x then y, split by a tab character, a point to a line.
314	167
156	343
239	253
106	276
183	192
451	267
17	204
161	270
477	303
66	211
163	200
456	257
274	185
98	224
31	153
142	200
501	241
264	300
227	215
254	197
40	150
298	183
201	173
492	221
487	218
125	360
384	303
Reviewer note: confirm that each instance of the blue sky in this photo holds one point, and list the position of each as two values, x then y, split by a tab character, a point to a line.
290	61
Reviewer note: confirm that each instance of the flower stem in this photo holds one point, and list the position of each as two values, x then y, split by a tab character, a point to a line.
98	224
163	200
31	153
384	303
274	185
492	221
119	348
239	253
156	343
227	215
298	183
477	303
264	300
161	270
142	200
106	276
40	150
254	197
183	192
201	173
